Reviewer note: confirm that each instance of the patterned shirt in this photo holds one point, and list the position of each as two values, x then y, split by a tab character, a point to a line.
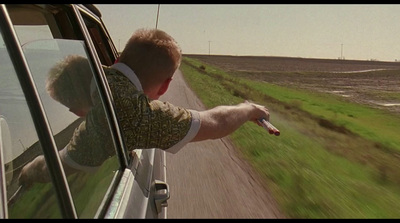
144	123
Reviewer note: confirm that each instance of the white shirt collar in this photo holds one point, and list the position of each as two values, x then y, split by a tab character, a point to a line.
128	72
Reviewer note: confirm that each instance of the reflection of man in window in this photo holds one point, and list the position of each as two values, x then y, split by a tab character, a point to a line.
70	82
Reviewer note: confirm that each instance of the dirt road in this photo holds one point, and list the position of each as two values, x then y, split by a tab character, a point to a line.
209	179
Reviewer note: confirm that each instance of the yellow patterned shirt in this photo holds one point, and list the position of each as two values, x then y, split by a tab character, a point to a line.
144	123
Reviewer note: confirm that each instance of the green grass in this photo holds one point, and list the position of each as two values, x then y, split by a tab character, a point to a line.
333	159
370	123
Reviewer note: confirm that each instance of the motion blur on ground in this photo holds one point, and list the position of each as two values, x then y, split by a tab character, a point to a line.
339	149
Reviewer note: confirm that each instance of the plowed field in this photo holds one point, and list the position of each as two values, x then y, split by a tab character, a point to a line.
373	83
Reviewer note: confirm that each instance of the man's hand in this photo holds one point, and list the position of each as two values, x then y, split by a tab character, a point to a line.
259	112
34	171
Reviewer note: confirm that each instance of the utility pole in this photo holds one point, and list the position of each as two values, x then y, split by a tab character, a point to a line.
341	52
209	47
158	12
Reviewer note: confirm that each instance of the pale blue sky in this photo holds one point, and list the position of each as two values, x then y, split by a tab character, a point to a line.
356	31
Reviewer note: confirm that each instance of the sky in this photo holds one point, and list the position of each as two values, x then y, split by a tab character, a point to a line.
331	31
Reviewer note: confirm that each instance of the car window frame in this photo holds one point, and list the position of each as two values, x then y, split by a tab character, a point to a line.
41	123
42	126
134	158
102	82
119	203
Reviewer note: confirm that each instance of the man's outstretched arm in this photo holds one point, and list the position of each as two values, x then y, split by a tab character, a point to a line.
221	121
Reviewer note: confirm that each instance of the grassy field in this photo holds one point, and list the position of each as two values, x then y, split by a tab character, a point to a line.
333	159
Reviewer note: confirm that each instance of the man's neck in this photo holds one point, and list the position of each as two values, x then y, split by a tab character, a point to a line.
128	72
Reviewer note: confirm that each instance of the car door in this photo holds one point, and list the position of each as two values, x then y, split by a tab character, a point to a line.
126	184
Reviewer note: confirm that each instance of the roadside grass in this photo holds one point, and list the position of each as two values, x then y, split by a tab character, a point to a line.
333	159
373	124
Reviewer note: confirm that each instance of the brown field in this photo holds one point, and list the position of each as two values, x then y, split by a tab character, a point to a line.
373	83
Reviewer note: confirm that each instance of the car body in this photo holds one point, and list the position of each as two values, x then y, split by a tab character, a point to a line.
128	185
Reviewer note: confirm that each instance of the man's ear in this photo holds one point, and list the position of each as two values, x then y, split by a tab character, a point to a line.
164	86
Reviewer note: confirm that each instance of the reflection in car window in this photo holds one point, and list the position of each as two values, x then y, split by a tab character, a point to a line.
37	30
88	188
40	201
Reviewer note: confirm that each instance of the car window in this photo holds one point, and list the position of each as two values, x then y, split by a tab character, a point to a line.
41	39
20	144
89	187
